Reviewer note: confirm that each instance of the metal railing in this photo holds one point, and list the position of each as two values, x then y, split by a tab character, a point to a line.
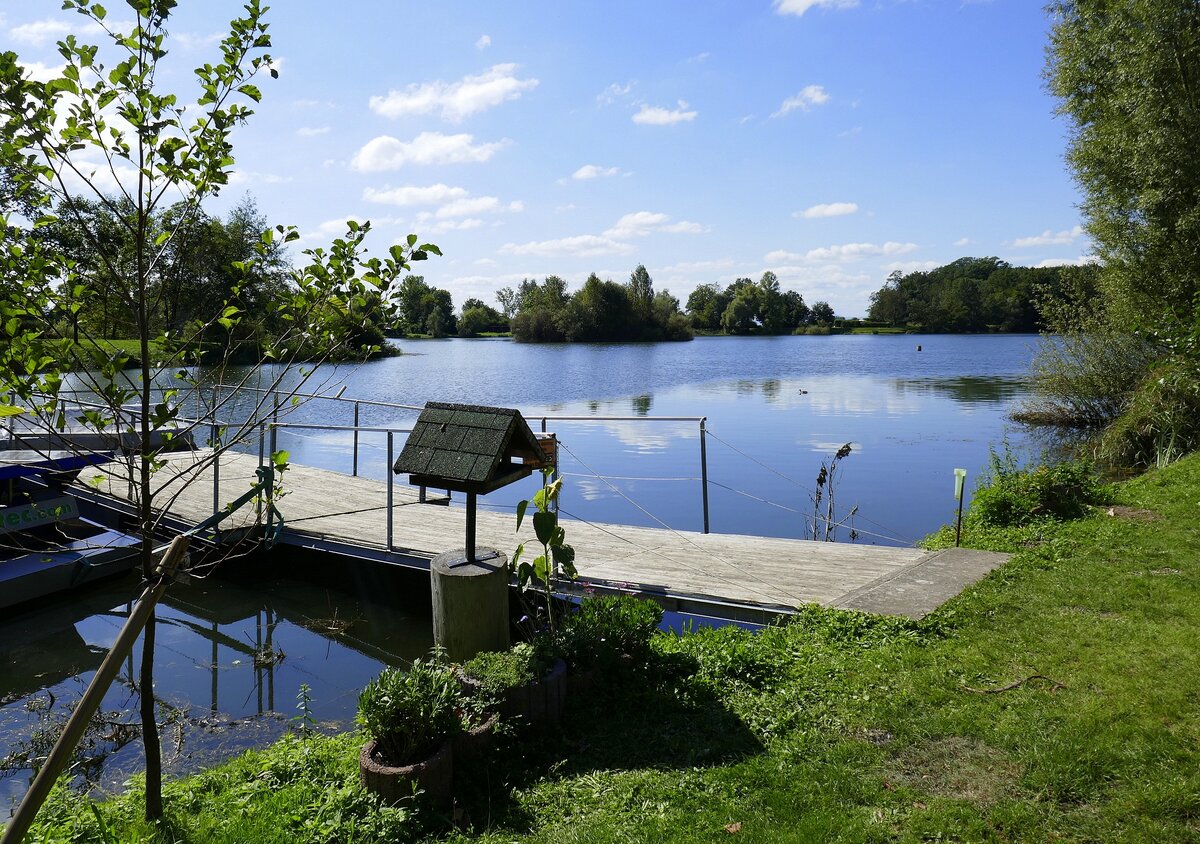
265	429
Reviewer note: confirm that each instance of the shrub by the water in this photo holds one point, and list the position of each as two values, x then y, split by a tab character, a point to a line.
604	629
409	713
1010	496
498	671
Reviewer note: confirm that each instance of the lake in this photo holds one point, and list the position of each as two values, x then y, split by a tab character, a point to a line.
776	408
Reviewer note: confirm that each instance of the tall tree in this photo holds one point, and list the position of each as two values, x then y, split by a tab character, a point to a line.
106	111
1127	76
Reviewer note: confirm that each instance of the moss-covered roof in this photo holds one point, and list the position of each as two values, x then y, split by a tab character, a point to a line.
466	446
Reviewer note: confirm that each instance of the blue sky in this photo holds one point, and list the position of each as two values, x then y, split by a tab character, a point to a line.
830	141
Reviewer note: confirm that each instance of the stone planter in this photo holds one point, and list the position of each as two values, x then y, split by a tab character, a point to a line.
434	775
541	700
472	745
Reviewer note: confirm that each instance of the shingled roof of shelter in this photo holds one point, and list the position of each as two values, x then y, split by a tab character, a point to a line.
465	444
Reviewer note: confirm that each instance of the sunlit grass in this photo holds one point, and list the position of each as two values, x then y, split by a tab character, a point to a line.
839	726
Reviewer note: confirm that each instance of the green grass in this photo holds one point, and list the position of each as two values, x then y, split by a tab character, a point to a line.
837	727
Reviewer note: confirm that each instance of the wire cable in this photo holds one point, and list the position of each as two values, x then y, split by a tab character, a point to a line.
679	535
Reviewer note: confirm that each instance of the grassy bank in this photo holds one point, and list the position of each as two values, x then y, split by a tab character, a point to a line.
1054	701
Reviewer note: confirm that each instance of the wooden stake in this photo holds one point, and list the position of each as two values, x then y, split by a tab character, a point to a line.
60	756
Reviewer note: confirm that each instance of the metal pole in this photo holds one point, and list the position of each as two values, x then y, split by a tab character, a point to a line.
470	527
60	756
355	471
390	474
274	437
958	524
704	469
216	498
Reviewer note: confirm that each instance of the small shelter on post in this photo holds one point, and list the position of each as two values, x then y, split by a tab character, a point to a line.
471	449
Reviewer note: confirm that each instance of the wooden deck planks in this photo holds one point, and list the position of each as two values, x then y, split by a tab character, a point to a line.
321	504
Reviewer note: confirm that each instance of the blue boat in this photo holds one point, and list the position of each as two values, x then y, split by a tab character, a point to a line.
46	545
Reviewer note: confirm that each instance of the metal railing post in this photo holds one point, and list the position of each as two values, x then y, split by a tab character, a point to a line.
704	470
216	497
354	472
391	439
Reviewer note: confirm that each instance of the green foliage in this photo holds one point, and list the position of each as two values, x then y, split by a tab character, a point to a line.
976	295
1009	495
410	712
600	311
537	575
498	671
604	629
1125	77
1161	422
1085	378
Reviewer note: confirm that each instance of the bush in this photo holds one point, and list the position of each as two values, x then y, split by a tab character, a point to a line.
1161	423
498	671
409	713
1010	496
604	629
1085	379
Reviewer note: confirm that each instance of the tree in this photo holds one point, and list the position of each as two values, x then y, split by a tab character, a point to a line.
821	313
705	306
106	111
641	294
1127	76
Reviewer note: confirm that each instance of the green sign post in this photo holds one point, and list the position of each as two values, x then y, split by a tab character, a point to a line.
960	475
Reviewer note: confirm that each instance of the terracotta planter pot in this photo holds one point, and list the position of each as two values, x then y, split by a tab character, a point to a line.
434	775
472	745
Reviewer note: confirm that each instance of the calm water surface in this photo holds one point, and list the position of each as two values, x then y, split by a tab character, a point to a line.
776	409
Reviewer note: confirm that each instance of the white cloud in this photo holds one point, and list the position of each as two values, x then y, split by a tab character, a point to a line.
593	171
910	266
191	41
799	7
643	223
963	241
840	253
615	241
455	100
809	96
1082	260
613	93
450	225
39	72
42	32
1049	238
484	42
414	195
470	206
252	177
579	246
829	209
312	131
699	57
388	153
658	116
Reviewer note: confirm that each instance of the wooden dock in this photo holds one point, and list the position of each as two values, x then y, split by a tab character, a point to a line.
726	575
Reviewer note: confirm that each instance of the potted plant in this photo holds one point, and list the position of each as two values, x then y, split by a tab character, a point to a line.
526	681
606	636
410	717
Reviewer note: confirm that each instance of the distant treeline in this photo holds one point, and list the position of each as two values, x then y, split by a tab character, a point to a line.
598	311
967	295
745	307
976	295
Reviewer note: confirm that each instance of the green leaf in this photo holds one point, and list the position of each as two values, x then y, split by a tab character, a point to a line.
522	506
10	410
543	526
